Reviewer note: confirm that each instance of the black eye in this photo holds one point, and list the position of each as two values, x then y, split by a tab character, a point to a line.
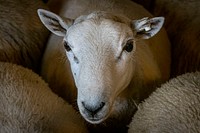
129	46
67	46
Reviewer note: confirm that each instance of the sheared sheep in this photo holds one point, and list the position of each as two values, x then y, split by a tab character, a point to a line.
28	105
22	36
111	63
173	108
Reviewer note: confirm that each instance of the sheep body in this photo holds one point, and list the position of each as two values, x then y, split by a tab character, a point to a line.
152	60
22	36
173	108
28	105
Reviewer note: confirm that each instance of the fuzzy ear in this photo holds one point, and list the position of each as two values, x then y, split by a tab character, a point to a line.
54	23
146	28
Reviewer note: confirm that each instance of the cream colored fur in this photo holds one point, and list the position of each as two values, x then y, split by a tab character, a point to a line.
28	105
172	108
102	77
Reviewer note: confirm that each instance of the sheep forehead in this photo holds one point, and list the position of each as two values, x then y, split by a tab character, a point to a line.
105	35
103	15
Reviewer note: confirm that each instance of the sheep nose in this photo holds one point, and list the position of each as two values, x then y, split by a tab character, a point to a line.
92	110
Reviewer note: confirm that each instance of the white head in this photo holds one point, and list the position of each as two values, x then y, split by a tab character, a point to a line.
101	49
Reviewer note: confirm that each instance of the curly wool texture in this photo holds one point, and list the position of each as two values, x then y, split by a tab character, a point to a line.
173	108
22	35
28	105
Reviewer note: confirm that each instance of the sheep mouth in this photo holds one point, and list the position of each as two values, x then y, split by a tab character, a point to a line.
95	118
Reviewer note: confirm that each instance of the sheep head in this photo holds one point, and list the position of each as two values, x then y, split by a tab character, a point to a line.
101	50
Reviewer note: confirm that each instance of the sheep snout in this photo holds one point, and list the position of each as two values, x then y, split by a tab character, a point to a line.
94	113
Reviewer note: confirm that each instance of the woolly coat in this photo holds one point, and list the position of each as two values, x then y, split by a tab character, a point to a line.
22	35
173	108
28	105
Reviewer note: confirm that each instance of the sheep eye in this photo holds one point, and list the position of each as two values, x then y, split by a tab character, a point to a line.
129	46
67	47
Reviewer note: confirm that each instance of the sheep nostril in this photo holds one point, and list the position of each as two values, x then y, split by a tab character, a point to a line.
92	110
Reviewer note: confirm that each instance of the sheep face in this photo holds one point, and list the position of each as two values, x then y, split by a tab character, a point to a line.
101	49
101	56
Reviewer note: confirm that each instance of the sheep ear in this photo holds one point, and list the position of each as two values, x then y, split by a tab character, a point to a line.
54	23
146	28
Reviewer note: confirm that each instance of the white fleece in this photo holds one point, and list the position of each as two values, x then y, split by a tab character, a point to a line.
28	105
173	108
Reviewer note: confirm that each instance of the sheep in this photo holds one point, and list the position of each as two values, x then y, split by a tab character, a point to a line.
112	66
185	39
183	31
22	36
28	105
172	108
